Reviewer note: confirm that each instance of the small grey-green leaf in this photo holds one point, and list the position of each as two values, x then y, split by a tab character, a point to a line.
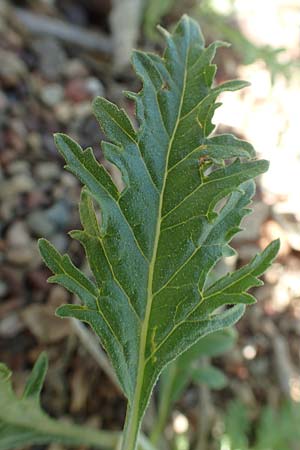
35	382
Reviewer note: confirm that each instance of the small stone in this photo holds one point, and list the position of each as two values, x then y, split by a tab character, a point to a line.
18	184
76	91
21	256
34	142
52	57
57	296
75	69
68	180
94	86
43	324
60	242
63	111
35	199
12	68
11	325
22	183
52	94
59	214
39	223
47	171
18	167
18	235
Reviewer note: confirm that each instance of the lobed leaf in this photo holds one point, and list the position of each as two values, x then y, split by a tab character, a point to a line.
162	235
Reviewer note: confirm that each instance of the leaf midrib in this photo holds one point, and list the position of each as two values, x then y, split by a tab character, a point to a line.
145	324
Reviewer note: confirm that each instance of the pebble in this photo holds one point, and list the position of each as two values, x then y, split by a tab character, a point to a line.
57	296
23	256
52	94
39	224
64	112
68	180
52	58
46	222
46	171
43	324
12	68
60	241
18	235
22	249
11	325
59	214
75	69
34	143
17	167
20	183
94	86
76	91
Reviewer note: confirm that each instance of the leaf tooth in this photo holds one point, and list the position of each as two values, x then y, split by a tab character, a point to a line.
67	274
163	31
146	68
80	162
232	232
114	121
77	311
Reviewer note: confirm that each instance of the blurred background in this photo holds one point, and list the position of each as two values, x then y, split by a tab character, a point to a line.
55	57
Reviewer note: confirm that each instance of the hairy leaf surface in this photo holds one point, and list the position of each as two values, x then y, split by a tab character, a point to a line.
161	236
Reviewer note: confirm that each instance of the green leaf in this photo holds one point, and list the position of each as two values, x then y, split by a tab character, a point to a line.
160	237
36	380
23	422
209	375
237	425
180	372
185	369
212	345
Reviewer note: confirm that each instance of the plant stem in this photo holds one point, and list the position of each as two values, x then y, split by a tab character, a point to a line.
166	388
131	429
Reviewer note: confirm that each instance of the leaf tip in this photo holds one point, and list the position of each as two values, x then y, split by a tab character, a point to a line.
5	373
97	102
43	246
274	248
61	311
